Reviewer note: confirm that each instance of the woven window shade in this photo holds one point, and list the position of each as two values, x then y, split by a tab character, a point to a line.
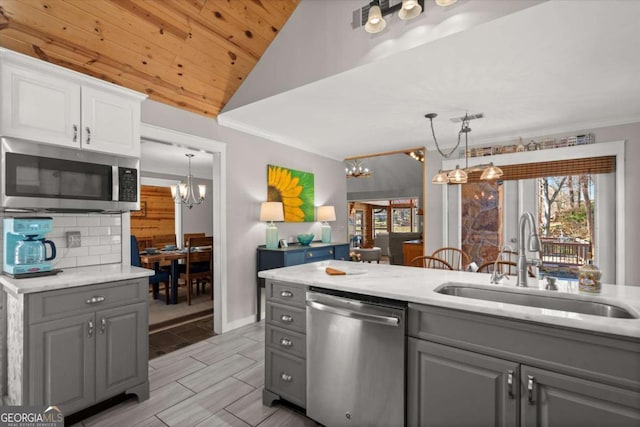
605	164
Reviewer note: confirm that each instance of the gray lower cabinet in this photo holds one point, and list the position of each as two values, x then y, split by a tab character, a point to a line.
285	368
86	344
452	387
472	369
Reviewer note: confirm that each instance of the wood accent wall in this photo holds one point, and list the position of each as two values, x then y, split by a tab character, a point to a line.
158	215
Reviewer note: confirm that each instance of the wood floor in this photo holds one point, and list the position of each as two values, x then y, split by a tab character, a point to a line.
216	382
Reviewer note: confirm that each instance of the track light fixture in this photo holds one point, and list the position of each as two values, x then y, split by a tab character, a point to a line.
461	175
376	10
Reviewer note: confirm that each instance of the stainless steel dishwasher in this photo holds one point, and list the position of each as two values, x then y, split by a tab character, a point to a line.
355	360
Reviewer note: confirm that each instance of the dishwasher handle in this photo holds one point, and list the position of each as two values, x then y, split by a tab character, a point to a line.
366	317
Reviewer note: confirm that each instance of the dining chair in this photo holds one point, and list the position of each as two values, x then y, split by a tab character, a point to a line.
187	236
155	280
427	261
504	267
162	240
457	258
199	265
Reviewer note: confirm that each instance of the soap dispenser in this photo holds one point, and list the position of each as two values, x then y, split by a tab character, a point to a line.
589	278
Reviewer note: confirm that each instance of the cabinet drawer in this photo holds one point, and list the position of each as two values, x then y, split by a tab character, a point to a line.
286	376
319	254
287	341
65	302
286	293
292	318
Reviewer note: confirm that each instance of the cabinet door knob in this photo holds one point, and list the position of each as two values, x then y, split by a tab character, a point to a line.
286	342
309	254
75	133
510	384
286	377
103	325
286	318
88	134
90	327
330	252
286	294
531	382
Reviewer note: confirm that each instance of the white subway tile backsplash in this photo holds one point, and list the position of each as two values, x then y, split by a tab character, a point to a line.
64	221
110	220
88	221
90	240
99	231
110	240
111	258
83	261
76	252
69	262
99	250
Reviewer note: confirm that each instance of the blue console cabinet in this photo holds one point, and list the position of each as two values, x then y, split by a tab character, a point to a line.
296	254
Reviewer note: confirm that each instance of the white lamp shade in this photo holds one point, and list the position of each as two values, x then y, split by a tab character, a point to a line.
271	211
375	21
410	9
202	190
326	213
444	3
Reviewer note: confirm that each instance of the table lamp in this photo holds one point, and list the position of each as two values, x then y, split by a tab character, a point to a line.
326	213
271	211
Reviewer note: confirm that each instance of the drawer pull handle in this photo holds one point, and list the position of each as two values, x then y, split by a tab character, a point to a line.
103	325
510	384
95	300
330	252
286	294
88	134
531	382
90	327
286	377
286	342
75	133
286	318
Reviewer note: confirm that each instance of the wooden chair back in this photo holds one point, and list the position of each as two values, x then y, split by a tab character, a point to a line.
457	258
187	236
504	267
427	261
199	264
163	240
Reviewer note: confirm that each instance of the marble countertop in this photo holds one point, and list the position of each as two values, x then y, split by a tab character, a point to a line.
417	285
72	277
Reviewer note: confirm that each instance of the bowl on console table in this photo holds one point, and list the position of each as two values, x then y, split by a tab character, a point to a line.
305	239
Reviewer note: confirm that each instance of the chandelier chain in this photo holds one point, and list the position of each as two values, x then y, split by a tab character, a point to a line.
464	128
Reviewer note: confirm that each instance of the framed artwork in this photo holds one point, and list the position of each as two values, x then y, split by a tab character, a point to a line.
295	189
142	212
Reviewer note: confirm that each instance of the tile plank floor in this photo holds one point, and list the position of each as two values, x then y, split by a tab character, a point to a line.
215	382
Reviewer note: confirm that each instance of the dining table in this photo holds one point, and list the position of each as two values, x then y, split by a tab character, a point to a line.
153	260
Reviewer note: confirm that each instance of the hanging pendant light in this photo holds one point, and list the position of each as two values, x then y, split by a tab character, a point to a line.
457	176
491	172
375	21
185	193
440	178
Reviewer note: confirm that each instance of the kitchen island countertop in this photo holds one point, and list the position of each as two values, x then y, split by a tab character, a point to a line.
72	277
417	285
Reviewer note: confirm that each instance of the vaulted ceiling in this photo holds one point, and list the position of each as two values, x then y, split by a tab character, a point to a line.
191	54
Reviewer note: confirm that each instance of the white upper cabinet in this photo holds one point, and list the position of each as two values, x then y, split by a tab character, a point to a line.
49	104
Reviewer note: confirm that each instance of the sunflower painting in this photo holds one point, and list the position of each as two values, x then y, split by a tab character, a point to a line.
294	189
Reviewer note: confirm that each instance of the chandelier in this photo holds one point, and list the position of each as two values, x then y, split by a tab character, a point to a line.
357	170
458	175
185	193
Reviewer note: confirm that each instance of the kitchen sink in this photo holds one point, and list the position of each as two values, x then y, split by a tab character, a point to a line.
539	301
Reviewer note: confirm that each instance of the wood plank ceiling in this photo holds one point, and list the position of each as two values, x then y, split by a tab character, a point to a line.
191	54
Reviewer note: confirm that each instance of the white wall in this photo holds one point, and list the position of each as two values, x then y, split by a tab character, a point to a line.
629	133
247	160
394	176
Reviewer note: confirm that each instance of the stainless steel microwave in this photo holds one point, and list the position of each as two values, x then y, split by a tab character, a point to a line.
59	179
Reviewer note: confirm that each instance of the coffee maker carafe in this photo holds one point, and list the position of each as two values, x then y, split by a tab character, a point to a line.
25	253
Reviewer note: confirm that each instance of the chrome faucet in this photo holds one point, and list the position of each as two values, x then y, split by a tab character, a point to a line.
533	246
495	275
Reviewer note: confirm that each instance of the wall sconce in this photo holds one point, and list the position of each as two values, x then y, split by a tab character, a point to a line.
458	175
271	211
326	213
373	14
